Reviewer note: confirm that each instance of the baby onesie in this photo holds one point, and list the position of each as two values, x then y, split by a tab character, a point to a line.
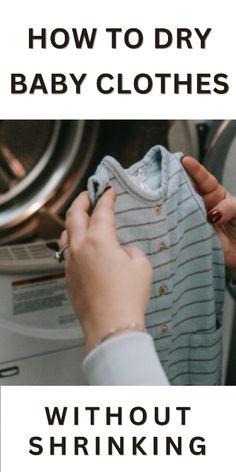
158	211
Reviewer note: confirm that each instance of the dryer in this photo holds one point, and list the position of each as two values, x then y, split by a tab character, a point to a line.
43	164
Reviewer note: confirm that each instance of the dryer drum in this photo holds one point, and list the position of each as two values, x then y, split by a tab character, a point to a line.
44	164
41	165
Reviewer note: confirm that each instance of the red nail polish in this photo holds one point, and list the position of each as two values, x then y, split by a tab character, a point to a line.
214	216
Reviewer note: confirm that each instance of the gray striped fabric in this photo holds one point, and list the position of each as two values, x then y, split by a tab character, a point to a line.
158	211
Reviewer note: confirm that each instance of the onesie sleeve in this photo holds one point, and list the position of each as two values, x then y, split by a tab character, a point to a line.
127	359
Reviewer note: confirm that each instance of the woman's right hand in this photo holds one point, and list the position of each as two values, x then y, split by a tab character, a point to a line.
109	284
220	207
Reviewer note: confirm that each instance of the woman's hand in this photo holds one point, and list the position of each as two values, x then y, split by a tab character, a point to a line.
220	207
109	285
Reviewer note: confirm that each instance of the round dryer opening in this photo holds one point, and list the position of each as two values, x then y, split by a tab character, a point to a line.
41	164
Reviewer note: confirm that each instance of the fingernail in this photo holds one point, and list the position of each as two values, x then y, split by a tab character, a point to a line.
214	216
107	188
183	157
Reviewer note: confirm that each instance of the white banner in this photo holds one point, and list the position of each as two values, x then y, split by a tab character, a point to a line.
101	59
104	428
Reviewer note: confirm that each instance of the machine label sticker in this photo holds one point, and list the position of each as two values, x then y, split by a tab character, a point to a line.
40	294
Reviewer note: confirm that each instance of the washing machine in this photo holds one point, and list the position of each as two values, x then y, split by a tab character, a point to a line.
43	166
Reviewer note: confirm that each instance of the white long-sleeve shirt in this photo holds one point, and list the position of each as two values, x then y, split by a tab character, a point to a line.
127	359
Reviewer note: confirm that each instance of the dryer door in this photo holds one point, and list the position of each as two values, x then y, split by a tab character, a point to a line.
41	164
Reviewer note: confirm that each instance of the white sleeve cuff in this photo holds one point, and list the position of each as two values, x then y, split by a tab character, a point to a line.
127	359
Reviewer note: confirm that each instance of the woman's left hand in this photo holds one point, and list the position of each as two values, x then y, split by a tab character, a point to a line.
220	207
109	284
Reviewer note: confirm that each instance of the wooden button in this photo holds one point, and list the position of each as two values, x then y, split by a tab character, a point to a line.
162	291
161	247
157	209
163	329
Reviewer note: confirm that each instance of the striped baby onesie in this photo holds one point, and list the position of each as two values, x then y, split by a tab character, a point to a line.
158	211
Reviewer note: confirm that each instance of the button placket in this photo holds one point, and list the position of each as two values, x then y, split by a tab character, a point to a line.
159	247
161	290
